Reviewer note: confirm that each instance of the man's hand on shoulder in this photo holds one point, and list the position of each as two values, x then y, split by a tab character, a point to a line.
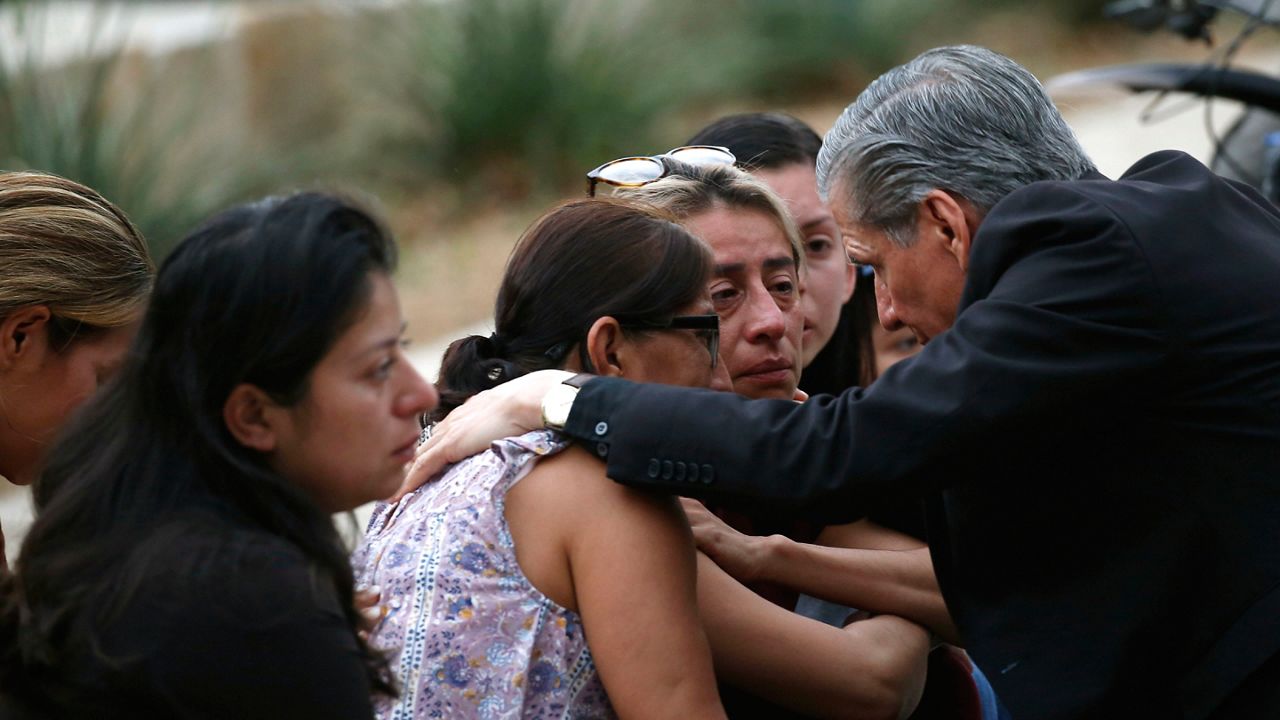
512	408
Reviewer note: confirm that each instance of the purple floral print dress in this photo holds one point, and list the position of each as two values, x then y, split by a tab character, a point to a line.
467	634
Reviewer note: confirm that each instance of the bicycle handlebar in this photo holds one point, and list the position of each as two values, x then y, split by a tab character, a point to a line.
1250	88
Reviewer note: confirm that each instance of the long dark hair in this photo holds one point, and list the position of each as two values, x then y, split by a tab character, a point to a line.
257	295
579	262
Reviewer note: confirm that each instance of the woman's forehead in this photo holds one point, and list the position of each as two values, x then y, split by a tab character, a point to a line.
741	236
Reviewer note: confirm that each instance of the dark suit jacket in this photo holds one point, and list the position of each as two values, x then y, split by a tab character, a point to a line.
1098	436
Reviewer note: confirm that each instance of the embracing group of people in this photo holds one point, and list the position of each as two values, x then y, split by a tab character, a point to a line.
1031	468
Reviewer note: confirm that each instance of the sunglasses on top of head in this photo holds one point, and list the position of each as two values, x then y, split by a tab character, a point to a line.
638	171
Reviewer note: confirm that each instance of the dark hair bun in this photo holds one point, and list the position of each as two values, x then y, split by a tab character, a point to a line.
471	364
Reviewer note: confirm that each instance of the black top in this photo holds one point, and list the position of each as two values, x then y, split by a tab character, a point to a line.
1098	438
232	623
842	364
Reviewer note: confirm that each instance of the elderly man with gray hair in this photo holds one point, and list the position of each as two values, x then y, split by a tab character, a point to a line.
1094	420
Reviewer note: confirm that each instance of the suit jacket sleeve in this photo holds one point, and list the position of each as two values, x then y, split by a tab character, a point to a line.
1059	316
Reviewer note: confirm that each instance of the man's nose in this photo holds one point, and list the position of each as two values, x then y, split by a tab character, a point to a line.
884	308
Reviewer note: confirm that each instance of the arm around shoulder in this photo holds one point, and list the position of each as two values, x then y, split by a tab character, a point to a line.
1053	311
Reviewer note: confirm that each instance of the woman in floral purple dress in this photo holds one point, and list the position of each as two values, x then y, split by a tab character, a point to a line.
524	583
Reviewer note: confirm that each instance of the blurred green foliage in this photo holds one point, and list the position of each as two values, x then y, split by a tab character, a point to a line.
1071	12
818	47
470	101
523	96
515	92
131	131
520	97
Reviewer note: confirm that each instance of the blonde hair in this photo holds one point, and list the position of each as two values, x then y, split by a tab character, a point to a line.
64	246
693	189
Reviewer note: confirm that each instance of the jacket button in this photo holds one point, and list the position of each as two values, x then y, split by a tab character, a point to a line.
707	474
693	472
667	469
602	450
602	428
654	467
680	471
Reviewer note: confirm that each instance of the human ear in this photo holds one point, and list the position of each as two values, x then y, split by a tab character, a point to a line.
24	336
247	413
950	217
604	342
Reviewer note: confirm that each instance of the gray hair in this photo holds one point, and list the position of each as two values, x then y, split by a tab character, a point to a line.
962	119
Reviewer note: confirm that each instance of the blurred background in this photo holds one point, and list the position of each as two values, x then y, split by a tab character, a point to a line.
460	120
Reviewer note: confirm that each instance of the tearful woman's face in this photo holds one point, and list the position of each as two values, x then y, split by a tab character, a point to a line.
755	289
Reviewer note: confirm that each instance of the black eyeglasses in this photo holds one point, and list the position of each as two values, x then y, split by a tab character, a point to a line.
637	171
707	327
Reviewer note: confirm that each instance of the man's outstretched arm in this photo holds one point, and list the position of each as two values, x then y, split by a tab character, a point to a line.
1057	328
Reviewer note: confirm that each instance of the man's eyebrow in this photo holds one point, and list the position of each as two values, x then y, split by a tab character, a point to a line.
730	268
775	263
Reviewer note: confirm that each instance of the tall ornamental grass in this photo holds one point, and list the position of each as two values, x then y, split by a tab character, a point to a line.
119	123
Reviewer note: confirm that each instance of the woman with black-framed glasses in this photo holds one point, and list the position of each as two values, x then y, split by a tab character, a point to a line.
501	596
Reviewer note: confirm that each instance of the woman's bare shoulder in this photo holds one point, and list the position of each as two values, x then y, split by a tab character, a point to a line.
576	474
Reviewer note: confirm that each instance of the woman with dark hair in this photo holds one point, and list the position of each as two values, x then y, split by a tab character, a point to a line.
502	599
183	562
